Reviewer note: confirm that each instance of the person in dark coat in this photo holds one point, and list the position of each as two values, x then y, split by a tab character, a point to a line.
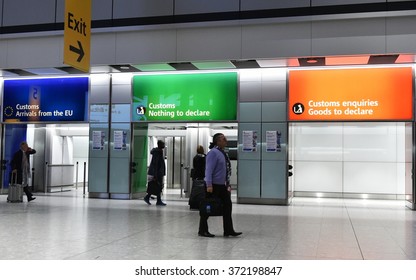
198	184
199	164
21	167
157	170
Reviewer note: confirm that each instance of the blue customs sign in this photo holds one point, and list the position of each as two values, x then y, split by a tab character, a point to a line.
46	100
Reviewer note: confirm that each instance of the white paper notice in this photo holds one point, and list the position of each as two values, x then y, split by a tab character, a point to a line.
249	141
120	140
273	141
98	140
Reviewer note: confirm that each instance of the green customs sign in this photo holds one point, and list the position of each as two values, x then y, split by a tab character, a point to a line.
185	97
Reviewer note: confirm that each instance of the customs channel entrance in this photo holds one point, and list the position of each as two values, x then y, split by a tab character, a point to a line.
181	141
61	160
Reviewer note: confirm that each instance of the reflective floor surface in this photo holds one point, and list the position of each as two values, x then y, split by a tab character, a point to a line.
69	226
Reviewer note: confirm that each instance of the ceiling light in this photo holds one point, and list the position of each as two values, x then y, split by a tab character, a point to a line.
312	60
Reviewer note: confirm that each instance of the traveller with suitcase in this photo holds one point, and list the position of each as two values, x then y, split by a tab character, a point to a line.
21	167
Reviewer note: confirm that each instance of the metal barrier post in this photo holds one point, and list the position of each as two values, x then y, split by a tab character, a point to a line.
85	171
45	182
76	177
33	180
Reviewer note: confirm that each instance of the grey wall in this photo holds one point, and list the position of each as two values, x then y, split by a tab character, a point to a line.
27	12
262	107
99	159
379	33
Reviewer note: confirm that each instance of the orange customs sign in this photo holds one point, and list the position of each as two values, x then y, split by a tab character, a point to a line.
351	94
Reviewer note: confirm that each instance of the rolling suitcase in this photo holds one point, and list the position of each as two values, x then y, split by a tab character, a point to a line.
15	190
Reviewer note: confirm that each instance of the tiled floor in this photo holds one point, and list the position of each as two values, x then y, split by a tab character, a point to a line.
68	226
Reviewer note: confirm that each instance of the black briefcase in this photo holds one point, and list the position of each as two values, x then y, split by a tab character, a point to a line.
211	206
153	187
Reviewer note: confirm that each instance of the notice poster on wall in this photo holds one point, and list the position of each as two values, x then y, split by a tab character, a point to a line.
185	97
98	140
249	141
120	140
351	94
273	141
46	100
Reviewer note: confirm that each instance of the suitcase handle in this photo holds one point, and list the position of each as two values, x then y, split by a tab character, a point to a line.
14	178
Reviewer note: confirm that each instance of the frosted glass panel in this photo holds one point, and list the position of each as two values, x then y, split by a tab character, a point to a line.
318	142
371	142
370	177
401	178
318	176
366	158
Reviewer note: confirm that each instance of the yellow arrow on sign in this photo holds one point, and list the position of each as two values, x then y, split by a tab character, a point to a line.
77	34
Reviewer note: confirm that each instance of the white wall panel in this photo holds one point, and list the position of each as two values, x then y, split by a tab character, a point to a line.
212	6
317	177
121	88
276	40
209	43
318	142
146	46
401	36
142	8
401	145
273	91
100	88
250	75
103	49
273	75
273	85
371	157
340	37
370	177
250	85
401	178
34	52
250	91
371	143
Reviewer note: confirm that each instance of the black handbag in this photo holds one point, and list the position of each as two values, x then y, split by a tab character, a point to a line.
153	187
211	206
197	194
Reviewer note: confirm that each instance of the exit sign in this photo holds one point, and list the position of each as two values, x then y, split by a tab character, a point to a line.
77	34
